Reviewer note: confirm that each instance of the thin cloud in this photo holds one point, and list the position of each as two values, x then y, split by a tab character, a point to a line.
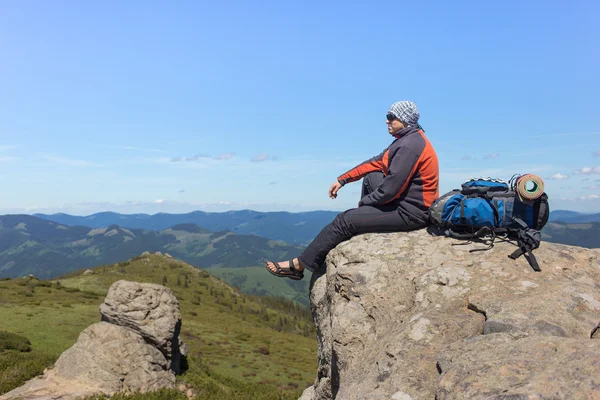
225	156
7	159
596	153
559	177
181	191
197	157
272	183
7	148
588	170
593	187
70	161
142	149
490	156
590	197
565	134
260	157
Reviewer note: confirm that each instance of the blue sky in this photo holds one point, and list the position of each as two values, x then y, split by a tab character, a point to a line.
175	106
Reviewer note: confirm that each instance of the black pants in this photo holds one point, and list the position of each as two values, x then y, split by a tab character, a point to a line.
355	221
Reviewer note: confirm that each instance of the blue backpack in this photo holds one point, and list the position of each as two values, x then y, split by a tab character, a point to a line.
488	208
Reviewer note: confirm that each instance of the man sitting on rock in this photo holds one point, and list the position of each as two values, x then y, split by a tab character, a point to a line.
398	187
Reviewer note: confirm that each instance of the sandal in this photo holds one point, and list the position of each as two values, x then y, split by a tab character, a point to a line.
291	272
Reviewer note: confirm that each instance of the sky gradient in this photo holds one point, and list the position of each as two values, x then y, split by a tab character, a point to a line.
177	106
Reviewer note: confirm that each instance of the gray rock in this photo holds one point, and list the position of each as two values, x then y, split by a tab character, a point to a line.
106	359
136	349
409	316
535	367
149	309
88	272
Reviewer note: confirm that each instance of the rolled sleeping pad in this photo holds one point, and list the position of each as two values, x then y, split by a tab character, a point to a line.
534	192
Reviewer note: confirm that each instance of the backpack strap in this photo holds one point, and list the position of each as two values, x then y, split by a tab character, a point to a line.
527	239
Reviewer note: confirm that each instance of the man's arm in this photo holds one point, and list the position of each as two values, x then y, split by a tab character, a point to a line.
362	169
402	168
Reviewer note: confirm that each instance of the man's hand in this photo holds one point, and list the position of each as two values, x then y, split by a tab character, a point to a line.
334	189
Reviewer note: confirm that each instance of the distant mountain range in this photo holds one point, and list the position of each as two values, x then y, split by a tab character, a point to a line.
47	248
296	228
584	235
31	245
573	217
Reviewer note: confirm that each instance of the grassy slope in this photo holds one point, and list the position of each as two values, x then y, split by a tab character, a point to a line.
223	329
256	280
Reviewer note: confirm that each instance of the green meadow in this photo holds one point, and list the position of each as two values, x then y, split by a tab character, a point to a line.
240	346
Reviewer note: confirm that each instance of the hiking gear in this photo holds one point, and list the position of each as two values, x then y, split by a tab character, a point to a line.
520	186
290	272
411	171
405	111
365	219
488	208
390	117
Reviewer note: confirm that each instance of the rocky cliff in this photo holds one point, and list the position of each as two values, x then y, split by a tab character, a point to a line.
135	348
409	316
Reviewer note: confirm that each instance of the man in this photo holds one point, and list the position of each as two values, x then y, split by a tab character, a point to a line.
399	185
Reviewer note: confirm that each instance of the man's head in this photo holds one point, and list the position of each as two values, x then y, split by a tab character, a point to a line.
402	114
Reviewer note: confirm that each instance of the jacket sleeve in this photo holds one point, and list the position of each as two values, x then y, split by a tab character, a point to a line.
403	165
362	169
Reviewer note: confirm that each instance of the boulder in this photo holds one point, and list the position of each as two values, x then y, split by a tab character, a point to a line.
410	316
134	349
150	310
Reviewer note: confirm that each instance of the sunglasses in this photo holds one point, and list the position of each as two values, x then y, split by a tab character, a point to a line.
390	117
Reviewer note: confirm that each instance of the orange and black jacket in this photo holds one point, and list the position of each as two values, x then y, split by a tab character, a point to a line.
411	175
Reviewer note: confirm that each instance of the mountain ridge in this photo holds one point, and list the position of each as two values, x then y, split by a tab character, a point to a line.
31	245
272	225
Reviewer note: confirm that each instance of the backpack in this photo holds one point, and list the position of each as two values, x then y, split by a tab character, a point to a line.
490	207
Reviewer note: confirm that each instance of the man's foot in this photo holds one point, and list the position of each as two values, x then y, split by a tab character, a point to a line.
286	269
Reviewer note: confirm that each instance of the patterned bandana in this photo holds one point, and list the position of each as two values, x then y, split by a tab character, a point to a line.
405	111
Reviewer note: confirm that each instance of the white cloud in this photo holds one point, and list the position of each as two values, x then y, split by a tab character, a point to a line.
159	201
197	157
261	157
559	177
593	187
491	156
225	156
588	170
584	198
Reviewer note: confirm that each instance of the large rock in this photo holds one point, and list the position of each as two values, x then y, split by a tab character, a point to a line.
150	310
133	350
409	316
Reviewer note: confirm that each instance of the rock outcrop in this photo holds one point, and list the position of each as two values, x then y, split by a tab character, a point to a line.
409	316
135	348
150	310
